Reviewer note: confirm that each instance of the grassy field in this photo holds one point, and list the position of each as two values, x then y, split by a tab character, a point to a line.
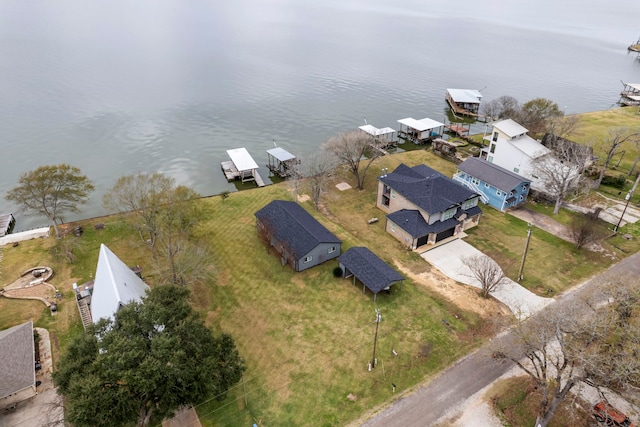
307	337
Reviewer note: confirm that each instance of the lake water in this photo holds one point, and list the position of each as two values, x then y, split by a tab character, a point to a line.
118	87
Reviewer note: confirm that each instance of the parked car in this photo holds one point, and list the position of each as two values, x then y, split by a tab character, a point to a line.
605	413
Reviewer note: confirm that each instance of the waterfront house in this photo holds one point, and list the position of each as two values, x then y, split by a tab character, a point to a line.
498	186
115	285
374	274
298	237
511	148
425	207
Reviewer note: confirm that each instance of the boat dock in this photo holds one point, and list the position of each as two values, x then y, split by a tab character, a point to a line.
241	166
282	162
458	129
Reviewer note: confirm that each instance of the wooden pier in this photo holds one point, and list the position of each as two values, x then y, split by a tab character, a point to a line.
241	166
458	129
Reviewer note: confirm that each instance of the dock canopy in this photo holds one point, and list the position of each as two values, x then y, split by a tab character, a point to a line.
464	101
385	134
421	130
242	159
630	95
281	162
374	273
6	224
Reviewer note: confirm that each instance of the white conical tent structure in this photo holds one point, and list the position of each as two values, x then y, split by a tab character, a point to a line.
115	285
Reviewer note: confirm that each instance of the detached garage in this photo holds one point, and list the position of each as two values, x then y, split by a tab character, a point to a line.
375	274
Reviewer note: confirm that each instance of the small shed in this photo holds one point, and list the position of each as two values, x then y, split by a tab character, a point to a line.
387	136
364	265
282	162
7	221
419	131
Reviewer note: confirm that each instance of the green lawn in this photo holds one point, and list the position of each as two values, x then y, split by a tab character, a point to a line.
307	337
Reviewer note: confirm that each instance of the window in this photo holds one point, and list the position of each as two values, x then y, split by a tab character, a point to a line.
468	204
495	136
516	170
332	249
498	193
385	201
308	258
393	227
486	185
511	194
476	181
490	159
521	197
492	149
524	187
449	214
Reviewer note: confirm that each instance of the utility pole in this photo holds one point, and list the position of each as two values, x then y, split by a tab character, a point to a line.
628	197
524	255
375	338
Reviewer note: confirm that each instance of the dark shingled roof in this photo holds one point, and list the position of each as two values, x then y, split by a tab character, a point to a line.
492	174
374	273
17	366
290	224
427	188
413	223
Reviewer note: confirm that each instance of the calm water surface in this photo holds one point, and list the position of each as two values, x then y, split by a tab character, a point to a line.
118	87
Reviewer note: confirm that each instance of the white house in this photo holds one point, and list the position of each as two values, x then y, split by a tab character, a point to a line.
115	285
511	148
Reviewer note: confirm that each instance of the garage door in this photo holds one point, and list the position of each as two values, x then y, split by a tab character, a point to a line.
444	234
422	241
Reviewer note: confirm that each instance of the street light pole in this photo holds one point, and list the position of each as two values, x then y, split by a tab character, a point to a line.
375	339
524	255
628	199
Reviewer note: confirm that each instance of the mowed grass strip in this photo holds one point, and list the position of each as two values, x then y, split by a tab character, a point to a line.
308	336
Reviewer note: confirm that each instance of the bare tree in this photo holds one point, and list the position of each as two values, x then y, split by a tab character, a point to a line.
563	126
585	228
561	169
357	150
617	138
486	271
584	342
318	168
504	107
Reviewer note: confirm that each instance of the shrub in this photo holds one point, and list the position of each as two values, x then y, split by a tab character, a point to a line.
615	181
337	272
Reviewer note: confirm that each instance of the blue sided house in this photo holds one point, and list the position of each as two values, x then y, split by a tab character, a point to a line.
499	187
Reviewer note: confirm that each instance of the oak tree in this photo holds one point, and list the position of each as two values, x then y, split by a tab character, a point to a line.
52	191
155	357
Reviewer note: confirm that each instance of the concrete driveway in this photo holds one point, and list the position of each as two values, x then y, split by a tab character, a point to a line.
448	259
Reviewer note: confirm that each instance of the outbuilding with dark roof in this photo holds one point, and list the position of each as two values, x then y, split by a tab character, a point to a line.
17	364
374	274
297	236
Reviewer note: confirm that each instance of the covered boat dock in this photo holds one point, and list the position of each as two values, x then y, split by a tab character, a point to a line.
242	166
282	162
420	131
630	94
386	136
464	101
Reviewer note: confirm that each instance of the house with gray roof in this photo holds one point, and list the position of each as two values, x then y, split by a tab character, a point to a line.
115	285
425	207
499	187
298	237
17	364
374	274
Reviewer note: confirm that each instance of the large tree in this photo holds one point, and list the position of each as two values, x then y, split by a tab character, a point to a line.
595	341
52	191
538	114
357	150
616	140
318	168
164	215
155	357
486	271
561	169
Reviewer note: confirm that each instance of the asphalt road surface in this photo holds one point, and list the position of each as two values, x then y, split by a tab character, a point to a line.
447	392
